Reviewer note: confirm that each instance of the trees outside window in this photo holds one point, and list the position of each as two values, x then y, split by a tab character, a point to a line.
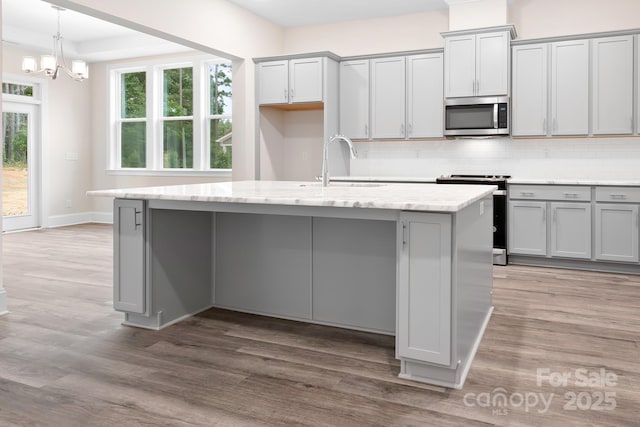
172	117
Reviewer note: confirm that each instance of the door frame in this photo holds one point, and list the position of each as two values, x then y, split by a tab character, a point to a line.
41	174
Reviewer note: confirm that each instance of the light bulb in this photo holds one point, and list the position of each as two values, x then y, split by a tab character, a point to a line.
29	64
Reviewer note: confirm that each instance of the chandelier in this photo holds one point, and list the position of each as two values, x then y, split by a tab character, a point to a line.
51	65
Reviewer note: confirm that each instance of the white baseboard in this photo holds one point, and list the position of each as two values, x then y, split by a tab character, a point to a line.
102	217
3	302
79	218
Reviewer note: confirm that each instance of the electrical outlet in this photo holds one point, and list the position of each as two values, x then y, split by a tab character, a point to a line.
68	204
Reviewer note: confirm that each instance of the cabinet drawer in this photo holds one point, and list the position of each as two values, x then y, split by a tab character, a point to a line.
549	192
618	194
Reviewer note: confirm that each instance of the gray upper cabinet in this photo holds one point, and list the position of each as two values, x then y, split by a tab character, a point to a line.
529	89
477	64
305	80
612	76
290	81
492	63
354	98
460	66
570	87
388	97
273	82
425	96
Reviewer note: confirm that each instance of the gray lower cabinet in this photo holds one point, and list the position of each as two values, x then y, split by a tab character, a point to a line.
424	287
527	227
571	230
129	264
616	232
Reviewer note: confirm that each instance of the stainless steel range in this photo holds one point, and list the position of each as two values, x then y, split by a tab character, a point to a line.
499	208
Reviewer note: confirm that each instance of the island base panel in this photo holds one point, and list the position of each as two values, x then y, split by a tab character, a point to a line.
354	273
263	264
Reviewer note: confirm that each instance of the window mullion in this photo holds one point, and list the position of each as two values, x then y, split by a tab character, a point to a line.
198	155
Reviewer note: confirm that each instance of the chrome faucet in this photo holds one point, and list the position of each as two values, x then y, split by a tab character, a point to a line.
325	155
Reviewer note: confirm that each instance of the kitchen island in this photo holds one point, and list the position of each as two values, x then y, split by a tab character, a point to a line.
410	260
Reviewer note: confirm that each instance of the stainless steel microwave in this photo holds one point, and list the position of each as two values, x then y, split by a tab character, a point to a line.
476	116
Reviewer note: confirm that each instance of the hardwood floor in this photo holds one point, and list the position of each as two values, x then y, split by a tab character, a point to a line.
65	360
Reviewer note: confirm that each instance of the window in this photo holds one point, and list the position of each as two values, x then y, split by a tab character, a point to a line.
133	120
220	129
17	89
171	117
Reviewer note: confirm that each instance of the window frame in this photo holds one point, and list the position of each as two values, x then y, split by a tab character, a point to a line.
208	116
155	117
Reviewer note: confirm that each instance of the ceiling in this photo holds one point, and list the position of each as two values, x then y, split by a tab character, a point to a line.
295	13
31	25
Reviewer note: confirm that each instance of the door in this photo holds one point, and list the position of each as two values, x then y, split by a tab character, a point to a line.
354	99
570	87
617	232
527	228
305	80
388	97
571	230
21	168
492	64
129	256
425	96
460	66
529	112
273	82
613	85
424	287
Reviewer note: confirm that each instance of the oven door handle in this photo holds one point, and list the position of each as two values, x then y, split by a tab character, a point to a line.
500	193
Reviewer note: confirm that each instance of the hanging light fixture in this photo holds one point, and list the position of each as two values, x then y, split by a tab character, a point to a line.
51	65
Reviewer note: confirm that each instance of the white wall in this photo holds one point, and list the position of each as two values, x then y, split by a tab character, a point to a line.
67	119
606	158
391	34
477	14
587	158
214	26
100	178
548	18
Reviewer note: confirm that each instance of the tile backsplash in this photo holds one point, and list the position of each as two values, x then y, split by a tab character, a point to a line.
565	158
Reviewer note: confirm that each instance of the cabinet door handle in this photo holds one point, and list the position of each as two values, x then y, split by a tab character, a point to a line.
410	129
366	130
402	129
571	195
544	126
618	196
293	93
138	219
286	96
404	234
527	193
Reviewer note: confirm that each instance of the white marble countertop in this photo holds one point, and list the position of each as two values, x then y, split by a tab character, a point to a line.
513	180
575	181
408	197
398	179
